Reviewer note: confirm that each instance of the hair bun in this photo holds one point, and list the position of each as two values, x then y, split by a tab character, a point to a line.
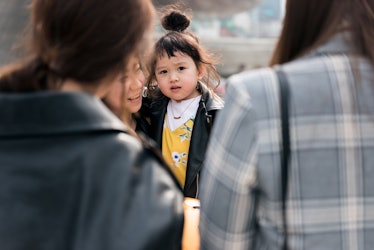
175	21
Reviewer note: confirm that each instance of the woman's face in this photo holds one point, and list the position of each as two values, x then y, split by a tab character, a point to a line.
125	94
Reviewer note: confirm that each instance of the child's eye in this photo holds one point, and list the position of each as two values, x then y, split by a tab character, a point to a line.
181	68
163	72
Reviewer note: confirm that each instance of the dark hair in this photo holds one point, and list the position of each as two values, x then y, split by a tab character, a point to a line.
81	40
308	24
179	40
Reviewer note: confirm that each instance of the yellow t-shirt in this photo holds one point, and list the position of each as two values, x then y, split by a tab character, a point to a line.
175	147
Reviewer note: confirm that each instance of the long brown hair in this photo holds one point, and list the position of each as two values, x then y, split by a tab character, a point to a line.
81	40
310	23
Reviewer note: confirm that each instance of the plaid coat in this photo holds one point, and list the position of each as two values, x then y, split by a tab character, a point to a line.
331	181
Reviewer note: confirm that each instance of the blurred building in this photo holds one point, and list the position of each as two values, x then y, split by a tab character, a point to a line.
244	40
13	19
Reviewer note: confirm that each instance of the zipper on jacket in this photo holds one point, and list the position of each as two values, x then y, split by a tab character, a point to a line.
197	185
208	116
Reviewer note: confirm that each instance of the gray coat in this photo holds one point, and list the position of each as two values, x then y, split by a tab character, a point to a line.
331	182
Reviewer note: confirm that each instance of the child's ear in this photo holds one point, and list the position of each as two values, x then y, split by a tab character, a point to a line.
201	72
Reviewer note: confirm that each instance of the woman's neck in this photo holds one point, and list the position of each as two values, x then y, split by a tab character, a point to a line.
129	119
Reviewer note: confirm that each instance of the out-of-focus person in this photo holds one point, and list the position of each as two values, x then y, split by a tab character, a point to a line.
72	176
125	97
326	52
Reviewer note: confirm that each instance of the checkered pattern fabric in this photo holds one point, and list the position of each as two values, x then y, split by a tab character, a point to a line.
331	182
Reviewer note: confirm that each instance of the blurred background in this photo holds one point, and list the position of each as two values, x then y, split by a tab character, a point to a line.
242	32
13	19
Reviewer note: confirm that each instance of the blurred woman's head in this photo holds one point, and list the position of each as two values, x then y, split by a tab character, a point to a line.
310	23
84	41
125	96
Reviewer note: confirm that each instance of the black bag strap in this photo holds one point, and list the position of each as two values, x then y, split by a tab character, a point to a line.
284	100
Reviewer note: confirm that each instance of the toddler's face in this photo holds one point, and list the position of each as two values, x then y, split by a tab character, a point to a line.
177	76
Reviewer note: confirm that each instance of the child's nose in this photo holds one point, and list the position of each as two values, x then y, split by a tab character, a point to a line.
173	77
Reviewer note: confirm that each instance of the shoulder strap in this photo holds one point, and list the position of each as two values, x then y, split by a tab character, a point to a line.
284	100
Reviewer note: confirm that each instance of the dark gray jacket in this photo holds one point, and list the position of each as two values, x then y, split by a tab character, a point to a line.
72	178
209	104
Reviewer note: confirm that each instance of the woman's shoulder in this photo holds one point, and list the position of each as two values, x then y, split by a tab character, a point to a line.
119	142
261	81
250	83
122	148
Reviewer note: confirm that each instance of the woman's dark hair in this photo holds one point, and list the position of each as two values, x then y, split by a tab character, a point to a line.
82	40
310	23
177	39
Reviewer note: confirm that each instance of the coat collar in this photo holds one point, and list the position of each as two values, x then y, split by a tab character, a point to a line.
207	96
338	44
50	112
210	102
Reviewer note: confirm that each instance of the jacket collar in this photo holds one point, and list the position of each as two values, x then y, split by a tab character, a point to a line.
210	102
207	97
50	112
338	44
